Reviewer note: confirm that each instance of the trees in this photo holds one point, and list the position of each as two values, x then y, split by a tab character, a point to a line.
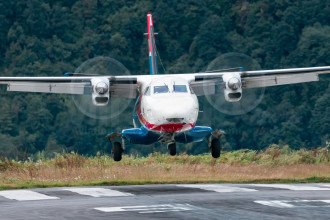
210	41
53	37
312	48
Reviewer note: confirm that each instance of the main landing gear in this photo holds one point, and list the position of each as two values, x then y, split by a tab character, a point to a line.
117	151
172	148
117	148
215	148
214	142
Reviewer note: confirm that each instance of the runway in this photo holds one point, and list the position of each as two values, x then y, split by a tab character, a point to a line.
192	201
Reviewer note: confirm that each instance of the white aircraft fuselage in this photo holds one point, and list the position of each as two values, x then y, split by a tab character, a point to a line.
167	104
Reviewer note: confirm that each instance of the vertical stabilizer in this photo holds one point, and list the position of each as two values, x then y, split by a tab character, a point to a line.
152	46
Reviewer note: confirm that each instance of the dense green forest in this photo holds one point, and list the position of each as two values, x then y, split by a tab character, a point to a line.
50	38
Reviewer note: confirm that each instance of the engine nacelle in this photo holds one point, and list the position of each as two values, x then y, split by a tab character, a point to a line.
233	90
101	91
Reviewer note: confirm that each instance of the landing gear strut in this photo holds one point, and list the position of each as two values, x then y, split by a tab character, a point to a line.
172	148
117	151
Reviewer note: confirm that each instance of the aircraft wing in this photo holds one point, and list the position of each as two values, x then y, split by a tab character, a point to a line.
265	78
127	86
208	83
122	87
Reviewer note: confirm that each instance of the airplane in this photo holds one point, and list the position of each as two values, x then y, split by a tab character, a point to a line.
167	107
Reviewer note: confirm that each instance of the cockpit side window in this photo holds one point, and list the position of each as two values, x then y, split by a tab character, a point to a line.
160	89
180	88
147	91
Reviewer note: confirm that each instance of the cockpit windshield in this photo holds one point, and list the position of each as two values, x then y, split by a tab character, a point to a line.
180	88
160	89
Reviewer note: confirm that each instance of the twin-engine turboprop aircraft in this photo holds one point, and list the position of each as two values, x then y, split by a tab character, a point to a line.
167	107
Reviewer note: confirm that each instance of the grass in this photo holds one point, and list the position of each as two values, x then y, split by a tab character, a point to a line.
274	165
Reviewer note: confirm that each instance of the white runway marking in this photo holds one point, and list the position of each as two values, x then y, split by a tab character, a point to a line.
294	203
149	208
24	195
98	192
218	188
291	187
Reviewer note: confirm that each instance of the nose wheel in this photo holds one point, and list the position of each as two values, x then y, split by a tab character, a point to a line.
117	151
172	148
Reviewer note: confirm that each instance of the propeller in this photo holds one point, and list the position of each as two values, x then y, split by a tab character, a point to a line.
101	66
250	97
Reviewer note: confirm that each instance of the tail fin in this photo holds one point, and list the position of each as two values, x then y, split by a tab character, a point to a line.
152	46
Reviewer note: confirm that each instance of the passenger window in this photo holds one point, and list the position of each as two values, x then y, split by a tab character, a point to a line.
160	89
180	88
147	91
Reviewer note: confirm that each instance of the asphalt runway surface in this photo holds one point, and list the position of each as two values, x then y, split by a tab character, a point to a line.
191	201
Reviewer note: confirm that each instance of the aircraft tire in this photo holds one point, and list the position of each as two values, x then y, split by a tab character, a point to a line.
172	148
215	148
117	151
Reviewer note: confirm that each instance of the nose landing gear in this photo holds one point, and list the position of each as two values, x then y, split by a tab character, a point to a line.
172	148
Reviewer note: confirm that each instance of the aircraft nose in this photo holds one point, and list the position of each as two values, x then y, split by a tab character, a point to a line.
176	111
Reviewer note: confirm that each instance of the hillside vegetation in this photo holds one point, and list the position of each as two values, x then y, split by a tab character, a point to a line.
50	38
